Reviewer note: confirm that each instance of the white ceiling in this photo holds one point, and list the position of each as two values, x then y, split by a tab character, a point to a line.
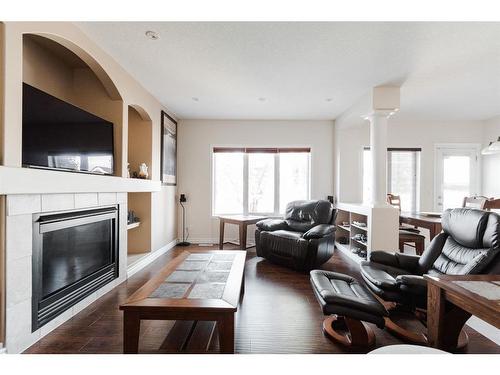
446	71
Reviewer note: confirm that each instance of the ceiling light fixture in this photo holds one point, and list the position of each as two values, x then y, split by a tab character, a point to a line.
152	35
493	148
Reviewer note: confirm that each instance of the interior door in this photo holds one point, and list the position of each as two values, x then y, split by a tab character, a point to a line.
457	175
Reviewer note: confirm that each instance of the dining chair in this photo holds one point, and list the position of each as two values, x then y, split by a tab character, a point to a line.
477	201
407	235
492	204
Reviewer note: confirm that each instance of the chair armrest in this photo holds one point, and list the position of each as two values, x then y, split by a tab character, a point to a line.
270	225
412	283
397	260
319	231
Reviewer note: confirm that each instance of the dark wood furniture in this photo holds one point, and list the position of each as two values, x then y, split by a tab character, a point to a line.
408	238
408	235
420	220
450	304
242	221
98	328
195	286
477	201
492	204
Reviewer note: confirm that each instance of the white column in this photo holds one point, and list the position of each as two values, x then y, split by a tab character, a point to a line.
378	147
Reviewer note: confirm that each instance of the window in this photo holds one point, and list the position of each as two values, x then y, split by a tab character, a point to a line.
403	175
259	180
228	175
294	178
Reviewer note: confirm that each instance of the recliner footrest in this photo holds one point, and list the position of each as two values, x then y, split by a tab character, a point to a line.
344	296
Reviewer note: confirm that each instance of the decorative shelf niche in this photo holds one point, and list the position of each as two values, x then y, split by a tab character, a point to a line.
346	232
140	139
366	228
139	234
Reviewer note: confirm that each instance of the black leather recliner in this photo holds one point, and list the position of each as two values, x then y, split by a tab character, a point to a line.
469	244
304	240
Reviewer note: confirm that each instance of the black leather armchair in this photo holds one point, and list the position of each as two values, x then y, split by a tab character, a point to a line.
303	240
469	244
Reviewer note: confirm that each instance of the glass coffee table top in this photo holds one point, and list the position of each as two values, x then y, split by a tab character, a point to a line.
201	275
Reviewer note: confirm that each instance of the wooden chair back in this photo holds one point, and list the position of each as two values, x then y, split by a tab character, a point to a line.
492	204
394	200
477	201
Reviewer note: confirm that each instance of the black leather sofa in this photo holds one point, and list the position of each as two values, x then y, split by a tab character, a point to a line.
303	240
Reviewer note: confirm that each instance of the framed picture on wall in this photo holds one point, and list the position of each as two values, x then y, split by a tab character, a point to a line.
168	150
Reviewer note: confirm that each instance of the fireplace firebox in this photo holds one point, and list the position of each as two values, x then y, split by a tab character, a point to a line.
74	254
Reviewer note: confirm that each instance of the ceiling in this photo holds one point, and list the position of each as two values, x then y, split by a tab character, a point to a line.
287	70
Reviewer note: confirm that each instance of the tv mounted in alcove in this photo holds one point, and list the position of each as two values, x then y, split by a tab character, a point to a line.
58	135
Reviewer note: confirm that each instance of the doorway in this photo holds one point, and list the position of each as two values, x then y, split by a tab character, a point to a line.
456	174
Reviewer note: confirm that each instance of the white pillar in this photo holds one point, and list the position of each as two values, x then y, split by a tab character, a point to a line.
378	147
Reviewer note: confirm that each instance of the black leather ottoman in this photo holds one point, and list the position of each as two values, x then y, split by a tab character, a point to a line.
348	304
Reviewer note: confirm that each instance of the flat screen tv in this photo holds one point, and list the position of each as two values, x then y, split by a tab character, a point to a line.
58	135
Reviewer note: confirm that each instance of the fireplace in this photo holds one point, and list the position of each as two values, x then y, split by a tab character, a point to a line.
74	254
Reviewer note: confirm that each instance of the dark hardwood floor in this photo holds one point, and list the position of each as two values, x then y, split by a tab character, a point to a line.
278	314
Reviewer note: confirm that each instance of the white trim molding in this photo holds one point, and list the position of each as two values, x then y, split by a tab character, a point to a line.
148	259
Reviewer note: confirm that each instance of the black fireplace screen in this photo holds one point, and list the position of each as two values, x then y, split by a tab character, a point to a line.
74	254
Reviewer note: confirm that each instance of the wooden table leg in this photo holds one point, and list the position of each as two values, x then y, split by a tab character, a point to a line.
242	290
131	329
454	321
435	315
243	236
434	230
221	234
225	326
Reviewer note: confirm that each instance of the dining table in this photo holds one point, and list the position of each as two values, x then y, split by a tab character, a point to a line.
430	221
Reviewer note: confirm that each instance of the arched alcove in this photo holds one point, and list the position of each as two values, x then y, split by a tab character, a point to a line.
140	143
140	139
64	70
75	55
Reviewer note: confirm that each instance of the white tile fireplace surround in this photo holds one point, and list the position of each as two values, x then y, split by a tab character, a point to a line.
19	250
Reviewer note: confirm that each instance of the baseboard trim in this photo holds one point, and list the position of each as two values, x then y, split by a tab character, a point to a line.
213	241
143	262
203	240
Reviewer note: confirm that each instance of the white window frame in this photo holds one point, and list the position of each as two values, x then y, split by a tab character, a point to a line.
416	166
388	168
276	212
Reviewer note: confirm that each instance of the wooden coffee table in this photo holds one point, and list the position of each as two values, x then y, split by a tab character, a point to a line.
194	286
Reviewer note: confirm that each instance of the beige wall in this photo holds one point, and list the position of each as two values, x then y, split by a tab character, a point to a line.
122	89
197	137
350	143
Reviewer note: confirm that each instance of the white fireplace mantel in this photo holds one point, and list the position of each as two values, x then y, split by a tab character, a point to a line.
14	180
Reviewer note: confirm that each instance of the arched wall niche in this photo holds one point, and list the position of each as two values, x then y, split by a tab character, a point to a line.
141	111
84	57
140	138
63	69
